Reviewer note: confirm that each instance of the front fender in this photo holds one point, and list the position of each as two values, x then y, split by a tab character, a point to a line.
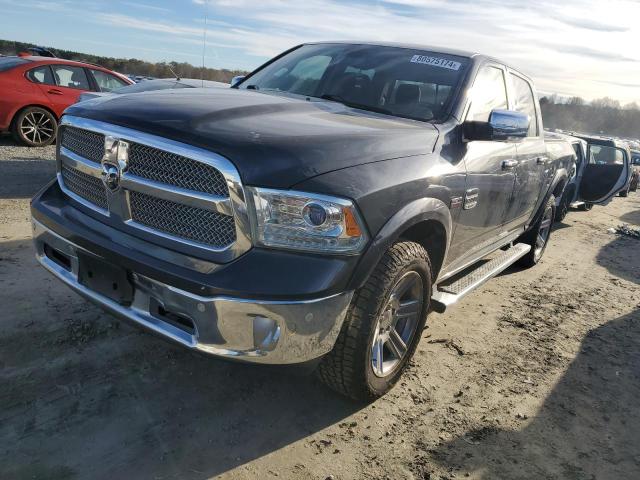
420	210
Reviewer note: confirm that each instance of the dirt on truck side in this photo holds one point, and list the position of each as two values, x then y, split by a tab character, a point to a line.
534	375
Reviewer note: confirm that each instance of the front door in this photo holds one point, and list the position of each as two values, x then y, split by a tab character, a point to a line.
490	174
606	172
533	169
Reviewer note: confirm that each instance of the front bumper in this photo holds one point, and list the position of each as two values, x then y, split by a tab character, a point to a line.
261	331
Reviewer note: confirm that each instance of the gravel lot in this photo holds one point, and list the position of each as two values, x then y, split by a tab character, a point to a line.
536	375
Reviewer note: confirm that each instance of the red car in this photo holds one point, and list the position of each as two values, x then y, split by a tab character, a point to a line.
34	91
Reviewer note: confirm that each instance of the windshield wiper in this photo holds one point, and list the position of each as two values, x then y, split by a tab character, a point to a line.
253	87
339	99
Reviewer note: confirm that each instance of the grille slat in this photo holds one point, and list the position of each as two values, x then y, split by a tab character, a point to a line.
172	169
89	145
191	223
86	186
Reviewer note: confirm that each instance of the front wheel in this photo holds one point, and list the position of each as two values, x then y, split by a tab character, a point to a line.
538	236
382	327
35	127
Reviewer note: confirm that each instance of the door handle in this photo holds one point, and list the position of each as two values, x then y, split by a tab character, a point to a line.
541	160
509	164
54	91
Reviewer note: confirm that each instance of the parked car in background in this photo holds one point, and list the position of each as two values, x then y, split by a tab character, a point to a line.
158	84
314	213
608	151
36	90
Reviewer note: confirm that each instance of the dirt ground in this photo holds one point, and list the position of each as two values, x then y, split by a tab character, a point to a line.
535	375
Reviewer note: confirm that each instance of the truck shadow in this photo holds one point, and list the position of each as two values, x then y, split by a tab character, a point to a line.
22	178
86	396
620	257
587	427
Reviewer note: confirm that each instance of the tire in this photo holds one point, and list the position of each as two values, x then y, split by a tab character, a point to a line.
625	193
563	208
377	310
585	207
538	236
35	127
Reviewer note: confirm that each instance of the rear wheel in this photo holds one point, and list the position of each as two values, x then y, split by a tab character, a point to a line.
625	193
538	236
383	325
35	127
563	208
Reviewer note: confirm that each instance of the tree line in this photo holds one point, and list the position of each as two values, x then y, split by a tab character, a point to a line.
131	66
604	116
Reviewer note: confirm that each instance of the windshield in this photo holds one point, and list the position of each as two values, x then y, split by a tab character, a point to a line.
149	85
397	81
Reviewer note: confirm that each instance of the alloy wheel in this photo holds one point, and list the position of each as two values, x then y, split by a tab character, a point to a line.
37	127
544	231
397	324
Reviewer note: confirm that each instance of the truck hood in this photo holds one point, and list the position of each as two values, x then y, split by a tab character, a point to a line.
274	140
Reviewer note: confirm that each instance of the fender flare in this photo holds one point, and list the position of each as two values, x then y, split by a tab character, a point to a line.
559	176
420	210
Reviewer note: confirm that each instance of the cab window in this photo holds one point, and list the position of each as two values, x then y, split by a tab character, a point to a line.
489	93
107	82
71	77
41	75
524	102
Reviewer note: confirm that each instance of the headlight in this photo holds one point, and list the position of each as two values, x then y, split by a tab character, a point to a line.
305	221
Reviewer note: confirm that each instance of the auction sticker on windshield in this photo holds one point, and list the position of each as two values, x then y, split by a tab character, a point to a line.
436	62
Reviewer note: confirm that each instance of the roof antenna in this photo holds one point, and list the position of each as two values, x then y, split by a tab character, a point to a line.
204	40
174	74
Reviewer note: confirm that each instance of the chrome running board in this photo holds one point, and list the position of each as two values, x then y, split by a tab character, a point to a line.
450	291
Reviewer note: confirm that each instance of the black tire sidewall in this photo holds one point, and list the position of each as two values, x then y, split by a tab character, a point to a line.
380	385
17	131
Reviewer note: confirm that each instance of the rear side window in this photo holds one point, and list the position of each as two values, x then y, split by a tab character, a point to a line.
525	103
107	82
71	77
41	75
7	63
489	93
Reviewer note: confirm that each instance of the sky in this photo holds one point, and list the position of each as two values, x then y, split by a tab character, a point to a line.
570	47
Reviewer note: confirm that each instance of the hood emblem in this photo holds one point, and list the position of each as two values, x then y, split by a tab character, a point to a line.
115	161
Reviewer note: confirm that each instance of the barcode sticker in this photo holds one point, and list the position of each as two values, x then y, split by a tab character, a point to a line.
436	62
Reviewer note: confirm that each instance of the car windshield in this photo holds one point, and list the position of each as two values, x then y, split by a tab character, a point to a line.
148	85
7	63
397	81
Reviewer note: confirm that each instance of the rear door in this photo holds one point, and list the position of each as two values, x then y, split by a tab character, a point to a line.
70	82
606	172
533	167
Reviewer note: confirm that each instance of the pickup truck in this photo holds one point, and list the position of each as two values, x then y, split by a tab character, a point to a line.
312	214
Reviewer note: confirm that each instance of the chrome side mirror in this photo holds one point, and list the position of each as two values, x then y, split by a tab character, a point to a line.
236	80
502	125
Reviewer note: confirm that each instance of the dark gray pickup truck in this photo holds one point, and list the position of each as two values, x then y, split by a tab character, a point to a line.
314	213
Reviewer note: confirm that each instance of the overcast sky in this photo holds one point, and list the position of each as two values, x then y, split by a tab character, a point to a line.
571	47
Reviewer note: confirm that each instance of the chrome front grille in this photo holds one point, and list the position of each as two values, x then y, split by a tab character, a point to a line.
86	186
195	224
171	169
87	144
180	193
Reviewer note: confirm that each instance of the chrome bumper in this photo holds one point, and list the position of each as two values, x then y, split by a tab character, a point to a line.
270	332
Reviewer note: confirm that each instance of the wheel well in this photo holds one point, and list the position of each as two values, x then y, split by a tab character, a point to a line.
557	192
20	110
432	235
